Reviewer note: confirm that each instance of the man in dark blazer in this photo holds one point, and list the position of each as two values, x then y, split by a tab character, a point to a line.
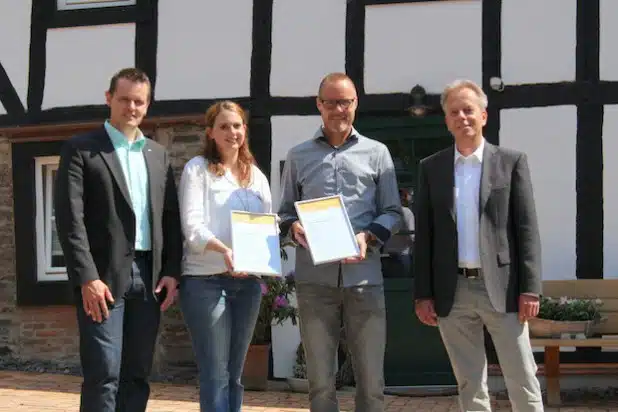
478	254
118	223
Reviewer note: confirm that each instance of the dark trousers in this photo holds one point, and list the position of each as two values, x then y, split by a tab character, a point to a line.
116	355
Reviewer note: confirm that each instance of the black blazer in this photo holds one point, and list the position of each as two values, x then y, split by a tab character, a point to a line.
510	247
94	214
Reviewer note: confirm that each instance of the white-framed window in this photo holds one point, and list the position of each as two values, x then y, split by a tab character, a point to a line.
92	4
50	259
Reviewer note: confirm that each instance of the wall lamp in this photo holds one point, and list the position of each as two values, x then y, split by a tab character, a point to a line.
418	107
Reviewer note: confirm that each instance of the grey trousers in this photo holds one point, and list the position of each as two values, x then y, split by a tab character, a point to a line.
462	334
364	318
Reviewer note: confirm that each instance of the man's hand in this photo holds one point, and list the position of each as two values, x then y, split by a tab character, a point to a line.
170	284
362	239
298	233
425	312
95	296
528	307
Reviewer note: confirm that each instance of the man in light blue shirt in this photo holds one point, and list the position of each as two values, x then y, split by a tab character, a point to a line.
340	161
119	226
131	157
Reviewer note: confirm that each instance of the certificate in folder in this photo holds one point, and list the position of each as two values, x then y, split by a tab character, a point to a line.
328	229
255	243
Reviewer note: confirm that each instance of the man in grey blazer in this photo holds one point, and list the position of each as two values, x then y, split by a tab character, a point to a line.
478	254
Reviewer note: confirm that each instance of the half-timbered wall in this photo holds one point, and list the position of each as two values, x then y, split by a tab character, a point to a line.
555	58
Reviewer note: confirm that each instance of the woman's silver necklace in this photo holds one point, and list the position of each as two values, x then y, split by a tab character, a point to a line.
244	202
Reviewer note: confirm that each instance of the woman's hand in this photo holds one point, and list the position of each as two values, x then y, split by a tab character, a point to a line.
228	256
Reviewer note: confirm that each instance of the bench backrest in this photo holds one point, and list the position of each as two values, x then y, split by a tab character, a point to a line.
604	289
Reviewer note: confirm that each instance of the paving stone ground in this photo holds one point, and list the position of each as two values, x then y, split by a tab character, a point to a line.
25	391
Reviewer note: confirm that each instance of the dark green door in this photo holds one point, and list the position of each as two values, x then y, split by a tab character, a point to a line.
414	352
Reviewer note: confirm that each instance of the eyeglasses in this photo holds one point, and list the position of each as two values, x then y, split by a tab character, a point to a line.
334	103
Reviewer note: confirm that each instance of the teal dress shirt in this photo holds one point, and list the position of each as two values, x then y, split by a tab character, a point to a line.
135	173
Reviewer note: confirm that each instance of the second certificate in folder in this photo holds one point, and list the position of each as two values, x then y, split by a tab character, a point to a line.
255	243
329	234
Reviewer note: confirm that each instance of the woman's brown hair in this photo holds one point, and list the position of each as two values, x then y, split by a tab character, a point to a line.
211	151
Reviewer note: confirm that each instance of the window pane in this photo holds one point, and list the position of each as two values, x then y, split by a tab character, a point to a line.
91	4
57	257
56	260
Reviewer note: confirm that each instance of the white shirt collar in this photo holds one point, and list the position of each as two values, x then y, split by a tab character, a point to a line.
478	153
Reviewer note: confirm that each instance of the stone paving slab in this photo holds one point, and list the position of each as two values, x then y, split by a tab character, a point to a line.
23	391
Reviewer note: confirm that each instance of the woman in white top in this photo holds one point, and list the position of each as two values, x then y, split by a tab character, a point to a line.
219	305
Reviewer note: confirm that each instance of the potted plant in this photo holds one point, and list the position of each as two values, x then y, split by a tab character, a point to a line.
275	308
565	315
298	382
345	373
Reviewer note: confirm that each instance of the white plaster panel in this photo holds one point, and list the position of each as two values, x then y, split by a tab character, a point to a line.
204	49
608	63
422	43
610	192
307	44
287	132
285	341
541	133
2	110
15	43
538	41
81	60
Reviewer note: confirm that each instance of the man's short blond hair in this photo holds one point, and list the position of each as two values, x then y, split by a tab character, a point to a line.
464	84
332	78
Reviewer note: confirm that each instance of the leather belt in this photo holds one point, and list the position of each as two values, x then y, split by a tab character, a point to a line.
144	254
470	273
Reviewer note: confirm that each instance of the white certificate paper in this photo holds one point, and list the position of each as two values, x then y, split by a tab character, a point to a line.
255	243
327	228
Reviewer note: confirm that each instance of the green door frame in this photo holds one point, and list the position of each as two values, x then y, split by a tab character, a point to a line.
415	355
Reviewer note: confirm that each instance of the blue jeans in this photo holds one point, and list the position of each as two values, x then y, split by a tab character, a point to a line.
362	308
116	354
220	312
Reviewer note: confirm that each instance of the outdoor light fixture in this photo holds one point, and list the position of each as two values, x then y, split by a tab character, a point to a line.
418	108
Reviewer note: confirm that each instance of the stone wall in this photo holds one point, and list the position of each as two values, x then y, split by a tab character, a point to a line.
50	333
8	286
174	355
38	333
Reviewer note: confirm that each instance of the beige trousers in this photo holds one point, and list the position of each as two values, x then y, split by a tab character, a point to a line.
462	334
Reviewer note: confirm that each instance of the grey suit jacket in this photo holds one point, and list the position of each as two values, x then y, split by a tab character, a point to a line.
94	214
510	247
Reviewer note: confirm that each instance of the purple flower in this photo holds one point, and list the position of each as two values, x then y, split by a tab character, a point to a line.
280	302
264	289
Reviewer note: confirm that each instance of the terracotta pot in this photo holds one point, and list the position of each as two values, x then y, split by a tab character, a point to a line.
255	372
544	328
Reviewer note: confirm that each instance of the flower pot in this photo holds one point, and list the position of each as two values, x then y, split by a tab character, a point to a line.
255	372
298	384
544	328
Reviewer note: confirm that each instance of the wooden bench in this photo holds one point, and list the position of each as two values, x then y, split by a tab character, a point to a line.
604	289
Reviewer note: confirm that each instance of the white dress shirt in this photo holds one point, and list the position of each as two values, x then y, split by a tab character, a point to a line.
467	191
206	201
